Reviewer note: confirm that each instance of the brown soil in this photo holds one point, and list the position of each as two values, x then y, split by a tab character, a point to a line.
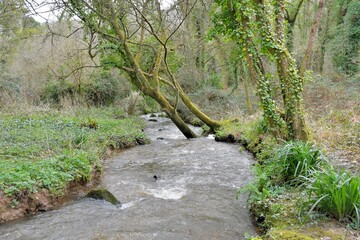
27	203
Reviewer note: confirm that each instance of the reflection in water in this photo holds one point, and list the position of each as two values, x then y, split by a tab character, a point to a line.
193	196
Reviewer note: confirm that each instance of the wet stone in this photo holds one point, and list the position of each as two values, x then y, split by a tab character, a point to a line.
103	194
141	141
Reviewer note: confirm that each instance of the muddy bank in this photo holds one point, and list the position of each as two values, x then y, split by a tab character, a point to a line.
27	203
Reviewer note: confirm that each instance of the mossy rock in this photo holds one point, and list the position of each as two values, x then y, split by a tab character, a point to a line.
142	140
225	138
103	194
288	235
307	234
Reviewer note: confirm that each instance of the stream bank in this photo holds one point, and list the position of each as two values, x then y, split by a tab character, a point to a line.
46	156
192	197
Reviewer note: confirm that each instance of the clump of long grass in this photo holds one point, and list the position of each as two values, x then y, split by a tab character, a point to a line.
294	159
336	193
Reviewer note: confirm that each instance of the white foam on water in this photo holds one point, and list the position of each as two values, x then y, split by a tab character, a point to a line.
211	136
167	194
127	205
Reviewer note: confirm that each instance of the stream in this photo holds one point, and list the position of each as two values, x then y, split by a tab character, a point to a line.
193	197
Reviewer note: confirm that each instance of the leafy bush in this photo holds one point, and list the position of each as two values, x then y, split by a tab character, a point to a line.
53	92
100	90
337	193
294	159
347	40
263	197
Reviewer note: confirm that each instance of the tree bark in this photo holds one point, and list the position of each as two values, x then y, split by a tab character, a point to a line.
196	111
312	38
173	115
292	97
246	89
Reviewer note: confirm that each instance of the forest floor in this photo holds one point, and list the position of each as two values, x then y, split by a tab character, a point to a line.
46	154
333	115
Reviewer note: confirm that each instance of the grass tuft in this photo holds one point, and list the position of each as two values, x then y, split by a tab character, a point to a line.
336	193
294	159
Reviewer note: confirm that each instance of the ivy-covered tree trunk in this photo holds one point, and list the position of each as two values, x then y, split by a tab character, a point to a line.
259	29
292	86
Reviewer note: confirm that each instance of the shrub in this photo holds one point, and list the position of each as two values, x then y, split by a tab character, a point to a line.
53	92
102	91
336	193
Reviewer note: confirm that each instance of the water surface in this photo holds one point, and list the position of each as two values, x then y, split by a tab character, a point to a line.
193	196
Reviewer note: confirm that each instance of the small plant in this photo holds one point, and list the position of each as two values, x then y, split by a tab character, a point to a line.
294	159
91	123
336	193
262	196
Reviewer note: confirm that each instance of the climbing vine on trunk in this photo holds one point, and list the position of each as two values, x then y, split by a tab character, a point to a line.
259	29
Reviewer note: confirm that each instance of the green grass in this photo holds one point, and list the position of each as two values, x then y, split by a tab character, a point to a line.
49	150
336	193
294	159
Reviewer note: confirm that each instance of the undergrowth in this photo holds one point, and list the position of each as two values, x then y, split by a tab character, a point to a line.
49	150
296	186
335	193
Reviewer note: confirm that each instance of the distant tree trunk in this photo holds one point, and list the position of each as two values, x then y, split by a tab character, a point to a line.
246	88
223	64
291	17
312	38
324	38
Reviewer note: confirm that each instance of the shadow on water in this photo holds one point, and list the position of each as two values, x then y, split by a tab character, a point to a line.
192	196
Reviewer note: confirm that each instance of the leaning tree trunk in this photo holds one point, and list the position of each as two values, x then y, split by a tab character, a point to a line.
196	111
172	113
109	15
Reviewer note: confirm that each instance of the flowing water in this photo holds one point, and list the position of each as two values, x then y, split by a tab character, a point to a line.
193	197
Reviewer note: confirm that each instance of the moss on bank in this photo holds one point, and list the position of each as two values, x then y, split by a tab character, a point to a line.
281	207
49	150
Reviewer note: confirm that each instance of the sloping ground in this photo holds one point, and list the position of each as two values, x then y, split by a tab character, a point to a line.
44	155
